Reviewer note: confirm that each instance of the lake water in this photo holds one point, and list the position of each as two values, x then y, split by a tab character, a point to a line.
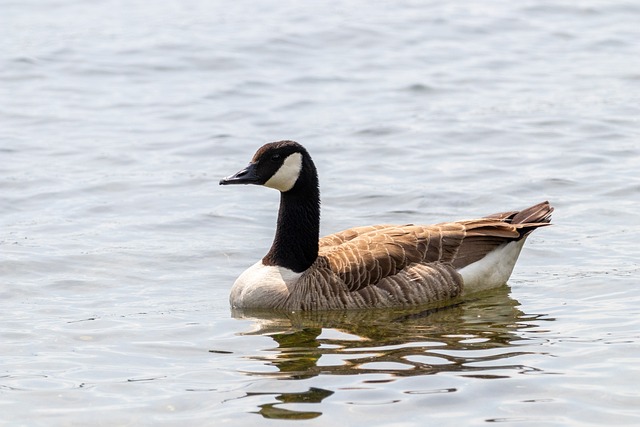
118	247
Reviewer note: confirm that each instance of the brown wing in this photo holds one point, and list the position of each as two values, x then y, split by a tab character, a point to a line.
377	253
365	255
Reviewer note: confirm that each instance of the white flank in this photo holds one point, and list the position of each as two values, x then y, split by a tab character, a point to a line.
493	270
261	284
285	178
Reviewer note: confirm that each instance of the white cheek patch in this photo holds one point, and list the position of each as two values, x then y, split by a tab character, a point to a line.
285	178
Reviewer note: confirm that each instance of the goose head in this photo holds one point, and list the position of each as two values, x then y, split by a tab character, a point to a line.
287	167
277	165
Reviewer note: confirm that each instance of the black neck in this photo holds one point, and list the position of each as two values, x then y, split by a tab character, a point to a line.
295	245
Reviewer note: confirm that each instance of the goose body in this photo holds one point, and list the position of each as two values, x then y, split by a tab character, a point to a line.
371	266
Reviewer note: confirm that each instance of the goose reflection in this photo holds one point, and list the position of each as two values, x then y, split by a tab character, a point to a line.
478	338
469	337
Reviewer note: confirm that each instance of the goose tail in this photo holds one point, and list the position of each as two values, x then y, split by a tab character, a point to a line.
495	267
527	219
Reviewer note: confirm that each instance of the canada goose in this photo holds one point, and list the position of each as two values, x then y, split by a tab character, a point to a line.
371	266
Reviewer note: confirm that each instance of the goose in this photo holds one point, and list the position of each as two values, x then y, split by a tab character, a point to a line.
376	266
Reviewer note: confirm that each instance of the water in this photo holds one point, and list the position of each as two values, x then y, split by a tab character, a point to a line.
118	248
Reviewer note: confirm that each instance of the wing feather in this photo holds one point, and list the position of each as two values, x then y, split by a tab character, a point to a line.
367	256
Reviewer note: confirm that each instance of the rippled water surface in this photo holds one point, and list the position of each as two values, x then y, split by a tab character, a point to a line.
118	247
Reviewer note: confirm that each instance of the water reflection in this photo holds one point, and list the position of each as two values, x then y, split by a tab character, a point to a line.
273	411
479	338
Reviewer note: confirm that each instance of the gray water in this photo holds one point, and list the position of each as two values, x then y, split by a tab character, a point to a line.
118	247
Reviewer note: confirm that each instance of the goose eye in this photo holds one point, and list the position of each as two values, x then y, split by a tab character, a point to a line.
275	157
